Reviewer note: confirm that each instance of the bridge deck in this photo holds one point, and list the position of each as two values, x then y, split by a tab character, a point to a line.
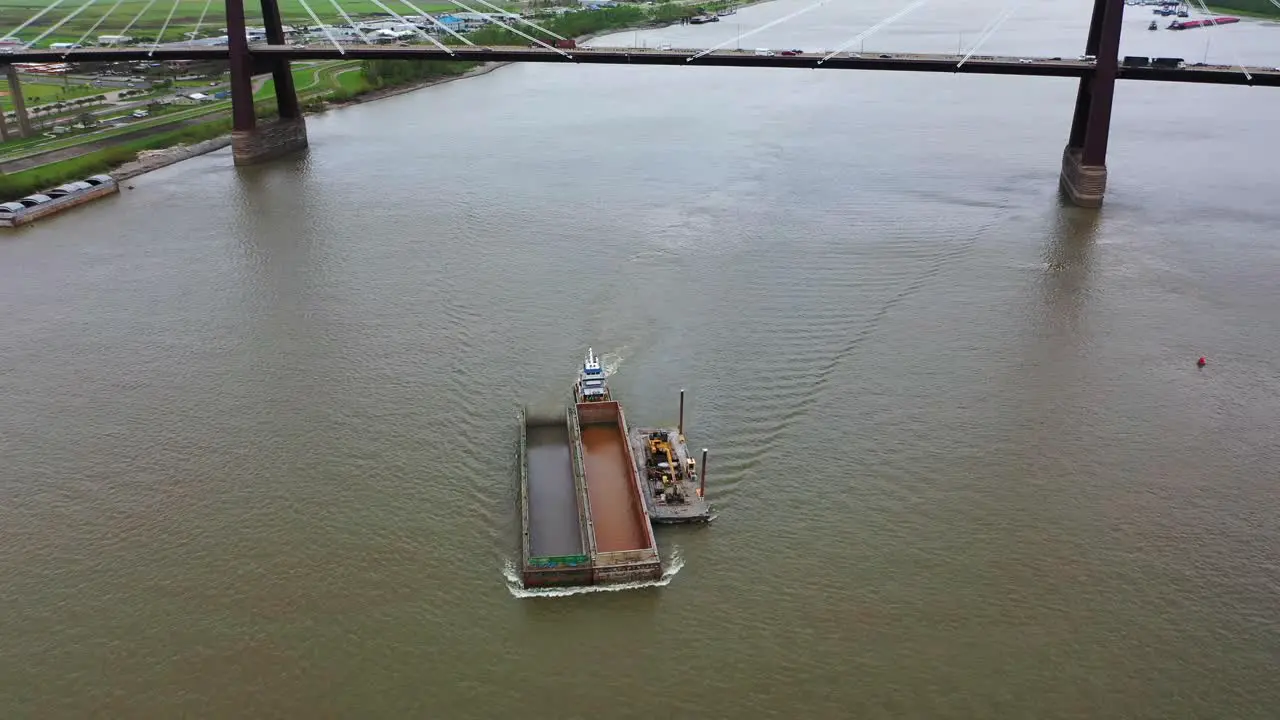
908	62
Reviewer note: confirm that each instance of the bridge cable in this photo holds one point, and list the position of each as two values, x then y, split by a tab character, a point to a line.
491	19
205	11
990	30
93	27
766	26
54	27
33	18
1234	54
488	4
874	29
323	28
420	31
163	27
437	23
136	18
350	22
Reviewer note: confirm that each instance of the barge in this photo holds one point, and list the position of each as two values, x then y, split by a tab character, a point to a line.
675	486
588	496
64	197
1193	24
556	545
624	546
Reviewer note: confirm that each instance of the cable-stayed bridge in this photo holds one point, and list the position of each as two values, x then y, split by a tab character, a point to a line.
429	37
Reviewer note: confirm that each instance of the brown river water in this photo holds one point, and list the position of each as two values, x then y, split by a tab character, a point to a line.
258	437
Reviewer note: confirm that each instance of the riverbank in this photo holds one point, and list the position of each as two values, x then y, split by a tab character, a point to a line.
151	154
382	93
149	160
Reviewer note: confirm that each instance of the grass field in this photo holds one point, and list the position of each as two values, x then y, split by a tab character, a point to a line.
45	93
318	77
1252	8
148	16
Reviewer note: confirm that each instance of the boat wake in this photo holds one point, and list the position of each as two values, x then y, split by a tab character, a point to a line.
610	362
512	575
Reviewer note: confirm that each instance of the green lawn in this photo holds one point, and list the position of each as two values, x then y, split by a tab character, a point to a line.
45	93
352	80
1250	8
318	77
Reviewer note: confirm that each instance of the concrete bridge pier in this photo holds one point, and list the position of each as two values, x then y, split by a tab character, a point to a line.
1084	161
253	141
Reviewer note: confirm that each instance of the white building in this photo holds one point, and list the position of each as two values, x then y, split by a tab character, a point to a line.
114	39
475	21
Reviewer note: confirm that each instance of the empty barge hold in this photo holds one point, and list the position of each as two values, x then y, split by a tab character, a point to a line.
625	550
556	543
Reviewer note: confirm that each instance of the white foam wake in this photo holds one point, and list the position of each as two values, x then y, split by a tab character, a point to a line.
612	361
512	575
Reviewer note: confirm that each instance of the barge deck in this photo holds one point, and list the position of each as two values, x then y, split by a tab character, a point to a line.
671	477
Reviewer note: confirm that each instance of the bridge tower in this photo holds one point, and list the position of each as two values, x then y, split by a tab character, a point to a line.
253	141
19	103
1084	162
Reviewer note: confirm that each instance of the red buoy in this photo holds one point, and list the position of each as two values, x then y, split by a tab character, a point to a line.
1201	362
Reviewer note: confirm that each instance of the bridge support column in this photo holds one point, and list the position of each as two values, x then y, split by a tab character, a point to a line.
19	103
253	141
1084	162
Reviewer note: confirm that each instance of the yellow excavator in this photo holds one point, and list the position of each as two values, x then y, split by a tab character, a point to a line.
660	452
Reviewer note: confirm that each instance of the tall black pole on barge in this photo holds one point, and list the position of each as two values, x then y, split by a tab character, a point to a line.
681	428
702	475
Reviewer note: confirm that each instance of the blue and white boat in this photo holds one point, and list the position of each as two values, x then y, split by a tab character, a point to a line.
592	385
